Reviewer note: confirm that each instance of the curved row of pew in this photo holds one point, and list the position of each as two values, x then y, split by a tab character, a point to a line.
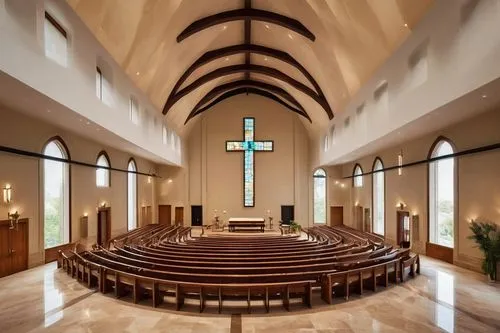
162	263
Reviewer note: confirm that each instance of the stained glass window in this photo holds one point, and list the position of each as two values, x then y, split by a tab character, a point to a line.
249	146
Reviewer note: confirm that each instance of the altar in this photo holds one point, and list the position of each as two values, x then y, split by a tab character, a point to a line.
246	223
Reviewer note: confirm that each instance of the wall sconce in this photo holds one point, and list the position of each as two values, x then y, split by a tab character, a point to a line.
336	182
357	203
400	163
103	204
401	205
169	180
85	214
7	194
149	179
342	185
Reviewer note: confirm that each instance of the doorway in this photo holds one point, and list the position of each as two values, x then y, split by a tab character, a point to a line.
146	215
336	215
287	214
165	214
103	226
196	216
179	216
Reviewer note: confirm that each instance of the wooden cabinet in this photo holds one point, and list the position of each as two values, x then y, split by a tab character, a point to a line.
13	247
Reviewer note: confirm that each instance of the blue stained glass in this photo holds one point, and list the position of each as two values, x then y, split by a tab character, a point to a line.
249	146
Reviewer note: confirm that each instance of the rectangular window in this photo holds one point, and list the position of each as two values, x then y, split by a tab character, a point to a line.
164	135
55	41
134	111
98	83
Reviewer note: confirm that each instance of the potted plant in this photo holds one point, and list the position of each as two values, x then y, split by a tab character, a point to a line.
294	226
487	237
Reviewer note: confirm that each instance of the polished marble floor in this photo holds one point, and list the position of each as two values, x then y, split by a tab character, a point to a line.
444	298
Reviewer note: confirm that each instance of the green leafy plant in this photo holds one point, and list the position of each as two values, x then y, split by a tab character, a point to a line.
294	226
487	237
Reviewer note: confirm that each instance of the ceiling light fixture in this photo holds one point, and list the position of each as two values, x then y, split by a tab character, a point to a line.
406	25
290	36
484	96
224	27
227	59
267	26
265	58
137	73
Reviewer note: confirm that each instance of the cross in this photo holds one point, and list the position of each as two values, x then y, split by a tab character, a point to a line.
249	146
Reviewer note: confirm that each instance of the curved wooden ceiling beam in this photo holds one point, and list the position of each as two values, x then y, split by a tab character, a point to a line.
246	83
249	90
245	14
268	71
245	48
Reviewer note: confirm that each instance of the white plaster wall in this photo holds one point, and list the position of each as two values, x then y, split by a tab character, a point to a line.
461	57
23	58
478	183
25	176
216	176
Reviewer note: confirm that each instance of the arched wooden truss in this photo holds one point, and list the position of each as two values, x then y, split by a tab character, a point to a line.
264	70
249	90
246	48
247	14
253	86
222	92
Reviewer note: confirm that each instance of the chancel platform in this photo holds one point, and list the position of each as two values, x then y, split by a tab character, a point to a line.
246	223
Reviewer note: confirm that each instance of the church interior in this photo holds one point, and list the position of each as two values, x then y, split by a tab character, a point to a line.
249	166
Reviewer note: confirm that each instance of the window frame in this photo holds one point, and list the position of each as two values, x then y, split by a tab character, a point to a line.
357	176
68	189
133	101
325	177
131	161
100	86
58	26
431	155
108	171
374	173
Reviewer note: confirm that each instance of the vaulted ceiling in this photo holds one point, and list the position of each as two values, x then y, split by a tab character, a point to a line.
311	56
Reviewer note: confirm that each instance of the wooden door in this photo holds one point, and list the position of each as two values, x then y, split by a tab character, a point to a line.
179	216
146	215
336	215
165	214
4	249
19	247
358	217
103	226
13	247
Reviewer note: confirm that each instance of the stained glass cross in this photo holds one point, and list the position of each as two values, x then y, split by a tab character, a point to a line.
249	146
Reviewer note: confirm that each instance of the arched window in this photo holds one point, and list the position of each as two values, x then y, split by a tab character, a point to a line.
319	196
442	195
132	195
378	197
103	175
56	195
357	180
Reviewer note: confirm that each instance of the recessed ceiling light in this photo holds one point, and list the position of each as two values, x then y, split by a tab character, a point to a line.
49	111
80	119
267	26
265	58
484	96
137	73
226	59
406	25
224	27
88	122
290	36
